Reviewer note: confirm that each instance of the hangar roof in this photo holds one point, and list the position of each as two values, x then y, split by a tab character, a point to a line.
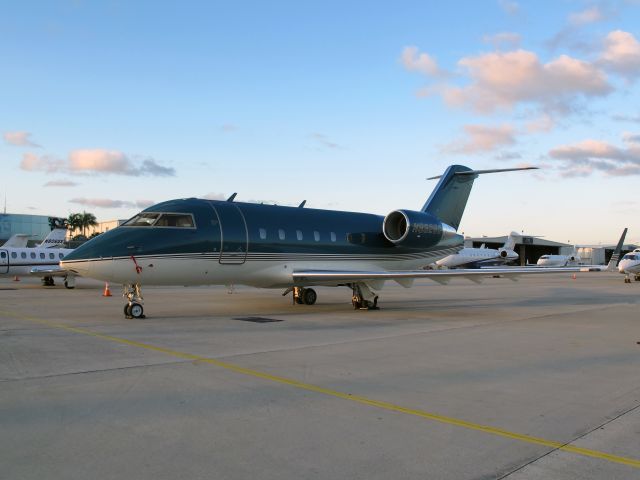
520	240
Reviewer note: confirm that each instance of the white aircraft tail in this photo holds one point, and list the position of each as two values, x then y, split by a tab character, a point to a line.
55	239
511	241
615	258
19	240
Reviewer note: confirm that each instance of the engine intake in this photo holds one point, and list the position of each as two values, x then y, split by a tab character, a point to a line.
412	229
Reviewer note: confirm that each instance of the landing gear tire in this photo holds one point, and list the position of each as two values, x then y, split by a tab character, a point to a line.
637	278
136	310
127	311
48	282
69	285
299	300
309	296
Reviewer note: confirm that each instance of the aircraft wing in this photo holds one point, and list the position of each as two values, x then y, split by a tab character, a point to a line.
406	277
49	272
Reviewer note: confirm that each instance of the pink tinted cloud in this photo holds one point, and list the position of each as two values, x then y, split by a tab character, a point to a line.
19	139
482	138
588	156
95	161
111	203
503	80
621	53
414	61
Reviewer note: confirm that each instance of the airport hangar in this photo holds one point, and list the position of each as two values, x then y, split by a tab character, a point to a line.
530	249
38	226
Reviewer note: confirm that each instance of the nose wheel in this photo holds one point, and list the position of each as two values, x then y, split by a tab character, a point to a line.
133	308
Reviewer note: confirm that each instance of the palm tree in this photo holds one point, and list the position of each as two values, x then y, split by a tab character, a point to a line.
87	220
82	221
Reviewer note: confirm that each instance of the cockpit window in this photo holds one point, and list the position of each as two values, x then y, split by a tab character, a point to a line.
175	220
142	220
184	220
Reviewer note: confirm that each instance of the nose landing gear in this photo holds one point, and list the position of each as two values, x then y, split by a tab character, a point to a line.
133	294
363	298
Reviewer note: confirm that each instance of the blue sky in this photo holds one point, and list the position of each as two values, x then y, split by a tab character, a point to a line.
108	106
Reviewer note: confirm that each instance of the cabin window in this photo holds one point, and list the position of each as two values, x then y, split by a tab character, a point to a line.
42	255
52	256
299	234
333	236
61	255
281	235
33	255
23	255
263	233
14	255
3	255
316	235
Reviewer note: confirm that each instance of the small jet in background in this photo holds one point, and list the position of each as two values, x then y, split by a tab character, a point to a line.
560	260
482	257
630	265
19	261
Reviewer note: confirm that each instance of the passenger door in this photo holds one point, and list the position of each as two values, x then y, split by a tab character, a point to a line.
234	239
4	261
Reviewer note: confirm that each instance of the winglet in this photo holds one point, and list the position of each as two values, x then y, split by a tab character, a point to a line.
232	197
302	204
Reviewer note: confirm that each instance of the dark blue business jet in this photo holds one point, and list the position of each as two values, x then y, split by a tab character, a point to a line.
206	242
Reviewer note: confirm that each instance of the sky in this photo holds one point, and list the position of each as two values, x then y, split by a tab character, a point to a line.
111	106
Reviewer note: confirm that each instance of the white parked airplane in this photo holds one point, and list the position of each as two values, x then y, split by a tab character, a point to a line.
482	257
559	260
17	262
630	265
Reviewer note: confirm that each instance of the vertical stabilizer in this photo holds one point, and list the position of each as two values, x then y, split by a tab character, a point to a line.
449	199
615	258
511	241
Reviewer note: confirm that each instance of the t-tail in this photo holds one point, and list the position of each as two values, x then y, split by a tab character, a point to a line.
449	199
511	241
55	238
615	258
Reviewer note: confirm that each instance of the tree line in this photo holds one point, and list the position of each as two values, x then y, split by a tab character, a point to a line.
75	221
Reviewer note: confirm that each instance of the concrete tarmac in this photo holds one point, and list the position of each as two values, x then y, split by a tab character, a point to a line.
533	379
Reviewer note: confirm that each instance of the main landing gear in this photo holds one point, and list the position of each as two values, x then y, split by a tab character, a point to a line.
363	298
302	296
48	282
133	294
627	278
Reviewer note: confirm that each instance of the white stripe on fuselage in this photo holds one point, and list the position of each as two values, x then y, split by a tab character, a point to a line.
259	269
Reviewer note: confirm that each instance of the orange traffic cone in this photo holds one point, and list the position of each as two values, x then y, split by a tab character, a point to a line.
16	279
107	292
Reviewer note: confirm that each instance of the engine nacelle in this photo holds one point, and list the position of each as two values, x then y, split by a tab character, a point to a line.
503	254
412	229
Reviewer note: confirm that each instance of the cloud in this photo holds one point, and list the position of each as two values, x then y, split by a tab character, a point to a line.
110	203
509	6
502	80
544	123
60	183
590	15
414	61
482	138
621	54
19	139
620	117
94	162
324	141
505	156
584	158
45	163
216	196
503	39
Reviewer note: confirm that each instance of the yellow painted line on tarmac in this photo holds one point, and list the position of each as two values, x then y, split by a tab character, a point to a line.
345	396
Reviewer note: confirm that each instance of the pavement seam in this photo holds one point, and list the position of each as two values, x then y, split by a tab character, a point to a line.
579	437
83	372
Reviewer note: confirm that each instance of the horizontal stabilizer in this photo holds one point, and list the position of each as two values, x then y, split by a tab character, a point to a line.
480	172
